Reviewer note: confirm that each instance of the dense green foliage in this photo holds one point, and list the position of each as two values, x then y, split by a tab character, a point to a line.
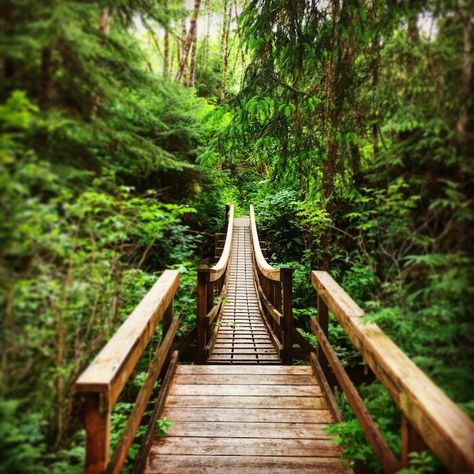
349	124
100	193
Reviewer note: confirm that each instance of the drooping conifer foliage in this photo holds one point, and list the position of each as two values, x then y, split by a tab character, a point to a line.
125	126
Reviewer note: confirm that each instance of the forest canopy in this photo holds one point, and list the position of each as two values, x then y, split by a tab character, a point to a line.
125	128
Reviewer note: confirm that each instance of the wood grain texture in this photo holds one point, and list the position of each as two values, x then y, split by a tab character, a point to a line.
212	446
243	464
110	370
220	267
383	452
214	401
275	422
265	268
446	430
135	418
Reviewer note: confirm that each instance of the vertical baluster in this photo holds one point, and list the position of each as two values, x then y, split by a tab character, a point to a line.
277	295
202	305
277	303
411	441
286	277
323	324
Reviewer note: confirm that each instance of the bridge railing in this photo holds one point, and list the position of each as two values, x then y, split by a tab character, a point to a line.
274	287
211	292
101	383
429	418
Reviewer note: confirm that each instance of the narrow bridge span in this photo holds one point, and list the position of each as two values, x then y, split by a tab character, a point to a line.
239	404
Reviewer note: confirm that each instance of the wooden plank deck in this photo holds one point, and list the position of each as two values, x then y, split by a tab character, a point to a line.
245	419
242	337
244	412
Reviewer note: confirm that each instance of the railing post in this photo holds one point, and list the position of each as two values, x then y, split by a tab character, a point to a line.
202	309
411	441
97	426
323	315
227	211
286	276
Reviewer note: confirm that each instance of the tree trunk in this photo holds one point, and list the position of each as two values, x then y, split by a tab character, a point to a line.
104	27
7	64
375	69
225	50
166	54
466	85
192	66
44	82
188	42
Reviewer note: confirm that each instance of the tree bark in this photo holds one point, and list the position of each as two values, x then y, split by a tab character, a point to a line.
188	42
104	27
225	50
166	54
45	82
192	65
7	64
329	169
466	84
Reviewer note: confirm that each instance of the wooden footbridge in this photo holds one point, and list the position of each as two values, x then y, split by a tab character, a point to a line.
240	405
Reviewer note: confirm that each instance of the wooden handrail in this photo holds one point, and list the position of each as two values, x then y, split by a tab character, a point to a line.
429	416
274	290
211	282
100	385
264	267
220	267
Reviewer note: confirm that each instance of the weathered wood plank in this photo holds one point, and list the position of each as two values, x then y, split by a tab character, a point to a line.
274	415
249	430
245	379
214	369
246	402
243	464
246	390
246	447
242	345
237	357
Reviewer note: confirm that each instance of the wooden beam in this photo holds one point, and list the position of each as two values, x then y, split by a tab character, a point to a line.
110	370
140	461
325	388
287	314
218	270
202	309
264	267
411	441
128	435
383	452
446	430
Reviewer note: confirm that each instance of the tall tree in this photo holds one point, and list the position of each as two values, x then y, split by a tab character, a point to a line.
227	16
188	42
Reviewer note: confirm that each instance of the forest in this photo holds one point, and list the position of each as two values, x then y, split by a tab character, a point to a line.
127	126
